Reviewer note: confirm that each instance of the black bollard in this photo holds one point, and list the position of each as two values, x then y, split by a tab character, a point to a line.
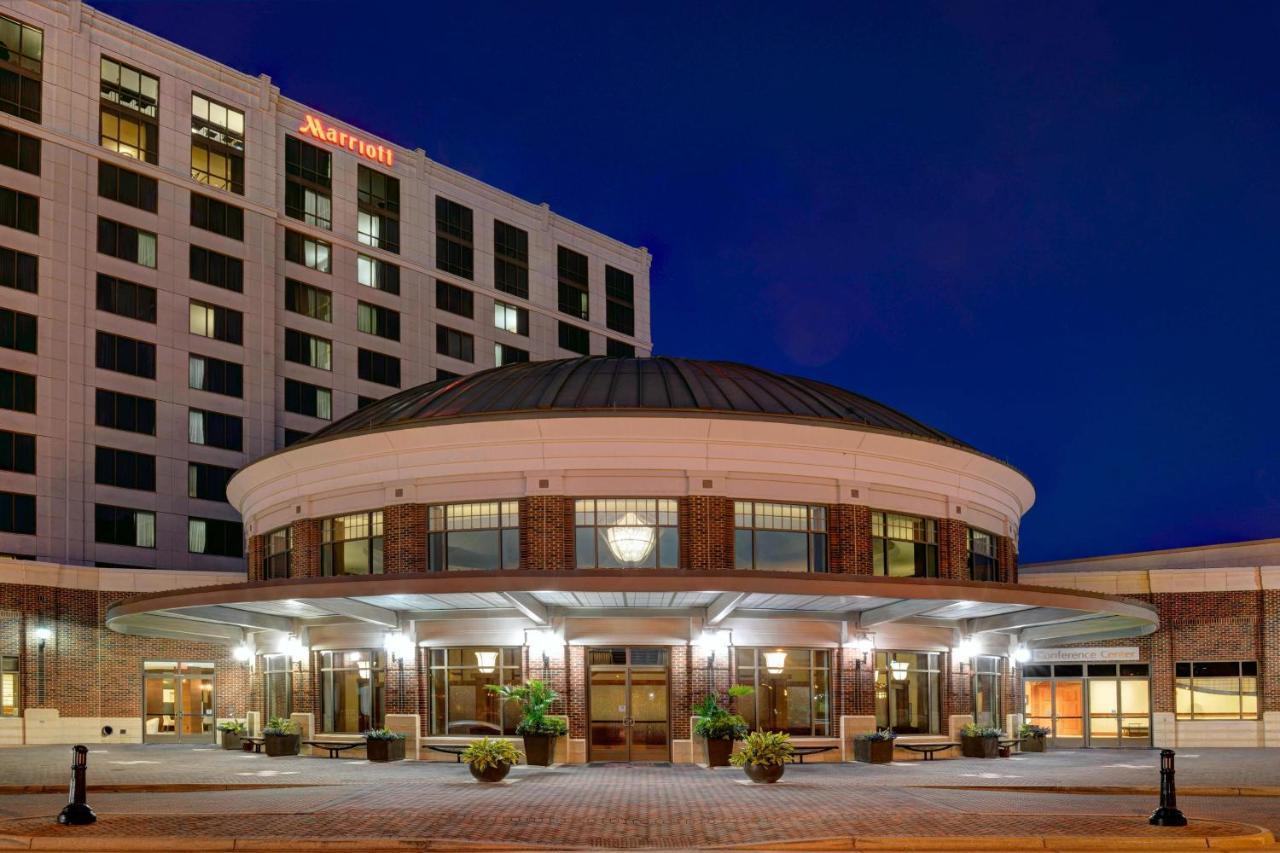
77	811
1167	814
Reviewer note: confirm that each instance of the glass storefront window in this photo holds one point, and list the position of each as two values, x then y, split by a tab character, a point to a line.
907	696
773	537
792	689
352	544
483	536
352	690
904	546
627	533
987	674
1216	690
10	687
461	703
277	678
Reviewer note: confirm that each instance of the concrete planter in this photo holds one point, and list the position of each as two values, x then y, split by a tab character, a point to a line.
765	774
276	745
490	774
384	750
873	751
718	752
1032	744
979	747
231	740
540	750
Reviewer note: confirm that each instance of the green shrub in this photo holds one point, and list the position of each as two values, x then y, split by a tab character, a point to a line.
1032	730
280	726
878	735
764	749
535	699
234	727
488	752
974	730
382	734
716	721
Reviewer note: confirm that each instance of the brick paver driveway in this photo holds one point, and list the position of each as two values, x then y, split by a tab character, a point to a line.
620	805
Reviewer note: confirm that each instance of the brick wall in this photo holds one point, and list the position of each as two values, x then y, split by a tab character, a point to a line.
404	544
304	560
953	549
1007	559
706	533
547	532
257	555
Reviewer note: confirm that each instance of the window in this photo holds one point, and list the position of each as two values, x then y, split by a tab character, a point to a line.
17	452
455	344
351	544
620	308
378	274
773	537
128	187
310	253
511	318
17	513
21	66
454	249
126	242
792	690
19	151
310	205
983	565
18	269
215	429
572	274
301	348
214	321
126	355
987	675
279	544
376	320
217	216
378	214
217	144
904	546
205	373
575	339
17	391
117	525
482	536
215	537
217	269
461	703
352	691
277	684
510	259
617	349
454	299
1216	690
129	110
378	367
116	410
19	210
124	469
10	687
308	301
18	330
626	533
118	296
507	354
907	696
303	398
308	163
208	482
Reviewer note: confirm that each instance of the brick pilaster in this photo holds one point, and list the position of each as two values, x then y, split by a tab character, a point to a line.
706	533
1269	651
1007	559
548	530
304	561
953	549
404	544
849	533
257	552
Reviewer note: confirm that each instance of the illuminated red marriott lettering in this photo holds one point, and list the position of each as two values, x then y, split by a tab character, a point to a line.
316	129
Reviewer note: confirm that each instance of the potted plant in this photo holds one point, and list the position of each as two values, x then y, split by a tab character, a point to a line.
232	733
874	747
538	730
764	755
980	741
281	737
383	745
719	727
490	759
1032	737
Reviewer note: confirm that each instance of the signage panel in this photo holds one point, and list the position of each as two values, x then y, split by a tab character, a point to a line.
1115	654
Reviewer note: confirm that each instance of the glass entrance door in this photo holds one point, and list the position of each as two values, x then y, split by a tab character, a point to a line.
629	705
177	702
1119	711
1068	713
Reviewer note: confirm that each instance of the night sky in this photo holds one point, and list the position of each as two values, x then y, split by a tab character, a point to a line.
1050	230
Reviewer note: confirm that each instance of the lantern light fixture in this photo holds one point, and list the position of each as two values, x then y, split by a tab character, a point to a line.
1022	654
242	653
44	633
486	661
774	662
398	645
294	648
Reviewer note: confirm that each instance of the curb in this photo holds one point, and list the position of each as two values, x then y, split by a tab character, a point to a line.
1120	790
159	788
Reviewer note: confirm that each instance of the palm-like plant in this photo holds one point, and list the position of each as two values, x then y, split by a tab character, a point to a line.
535	700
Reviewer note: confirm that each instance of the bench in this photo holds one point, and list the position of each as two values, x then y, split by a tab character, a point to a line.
928	749
455	751
1007	745
801	751
334	746
252	744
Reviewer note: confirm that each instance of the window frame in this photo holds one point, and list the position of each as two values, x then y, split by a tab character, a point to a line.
374	521
440	681
880	552
506	530
819	723
377	667
1241	694
817	559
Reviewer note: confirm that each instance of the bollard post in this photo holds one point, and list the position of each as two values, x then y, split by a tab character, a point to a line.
77	811
1167	814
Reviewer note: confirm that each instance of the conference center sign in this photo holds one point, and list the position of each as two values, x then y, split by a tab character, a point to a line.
317	129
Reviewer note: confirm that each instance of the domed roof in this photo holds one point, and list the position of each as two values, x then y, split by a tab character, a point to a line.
602	385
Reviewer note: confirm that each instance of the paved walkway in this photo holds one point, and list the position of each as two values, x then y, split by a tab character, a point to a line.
621	806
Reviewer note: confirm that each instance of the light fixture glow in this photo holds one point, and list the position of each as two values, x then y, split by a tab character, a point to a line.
714	642
294	648
242	653
630	540
486	661
864	644
398	645
43	633
966	650
775	661
899	669
542	642
1022	654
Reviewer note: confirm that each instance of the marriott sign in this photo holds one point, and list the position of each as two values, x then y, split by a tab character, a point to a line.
317	129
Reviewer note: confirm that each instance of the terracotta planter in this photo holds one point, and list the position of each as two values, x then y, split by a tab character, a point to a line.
979	747
276	745
490	774
231	740
873	751
764	773
384	750
540	750
718	752
1032	744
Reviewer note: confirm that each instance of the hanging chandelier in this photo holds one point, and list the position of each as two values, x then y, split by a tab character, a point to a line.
631	540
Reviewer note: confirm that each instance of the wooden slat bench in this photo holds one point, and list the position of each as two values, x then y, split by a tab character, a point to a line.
801	751
455	751
334	746
927	749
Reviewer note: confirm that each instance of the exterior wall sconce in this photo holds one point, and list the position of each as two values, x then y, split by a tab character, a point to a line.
44	634
399	646
486	661
863	646
774	662
541	643
242	653
1022	654
965	651
294	648
630	540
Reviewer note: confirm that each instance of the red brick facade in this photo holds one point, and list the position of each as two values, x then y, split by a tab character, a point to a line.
706	533
547	532
404	544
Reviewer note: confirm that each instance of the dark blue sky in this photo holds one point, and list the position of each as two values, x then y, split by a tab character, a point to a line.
1052	230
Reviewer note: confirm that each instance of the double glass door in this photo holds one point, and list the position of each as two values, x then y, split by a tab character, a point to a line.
177	702
1093	705
629	705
